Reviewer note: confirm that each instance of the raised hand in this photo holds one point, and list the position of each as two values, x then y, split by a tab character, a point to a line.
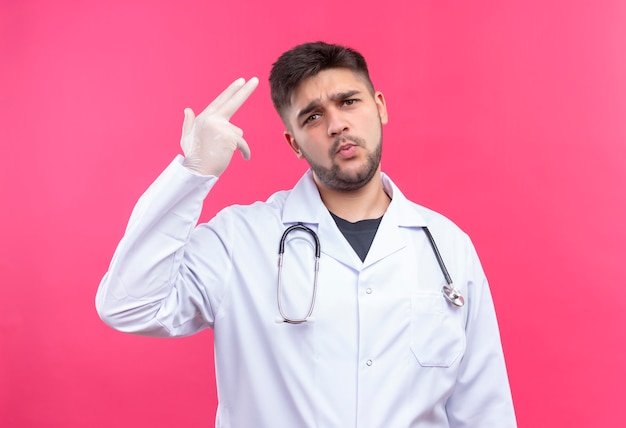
209	139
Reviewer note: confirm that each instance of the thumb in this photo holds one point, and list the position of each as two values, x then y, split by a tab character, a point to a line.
188	121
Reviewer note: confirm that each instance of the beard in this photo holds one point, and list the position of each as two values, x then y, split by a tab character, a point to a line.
337	179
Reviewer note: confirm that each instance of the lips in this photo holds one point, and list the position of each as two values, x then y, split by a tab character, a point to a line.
345	141
344	147
347	151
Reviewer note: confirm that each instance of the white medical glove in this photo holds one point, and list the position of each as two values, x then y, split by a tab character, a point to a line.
209	139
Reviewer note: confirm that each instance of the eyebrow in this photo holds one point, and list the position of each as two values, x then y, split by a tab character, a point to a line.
313	105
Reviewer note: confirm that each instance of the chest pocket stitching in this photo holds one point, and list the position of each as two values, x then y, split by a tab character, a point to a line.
437	335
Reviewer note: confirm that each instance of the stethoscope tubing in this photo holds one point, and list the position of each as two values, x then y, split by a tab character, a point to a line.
449	291
281	252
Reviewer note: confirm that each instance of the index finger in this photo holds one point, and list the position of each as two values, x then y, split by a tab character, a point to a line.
232	103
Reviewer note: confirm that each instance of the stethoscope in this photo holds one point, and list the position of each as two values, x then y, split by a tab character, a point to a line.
450	292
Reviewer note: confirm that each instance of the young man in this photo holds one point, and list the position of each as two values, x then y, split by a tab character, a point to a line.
375	337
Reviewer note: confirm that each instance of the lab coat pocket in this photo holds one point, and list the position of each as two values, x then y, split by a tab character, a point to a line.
437	336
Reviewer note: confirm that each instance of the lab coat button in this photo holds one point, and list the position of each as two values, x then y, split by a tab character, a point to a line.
368	291
369	362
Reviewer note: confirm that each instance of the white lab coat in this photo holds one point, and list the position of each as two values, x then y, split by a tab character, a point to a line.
385	349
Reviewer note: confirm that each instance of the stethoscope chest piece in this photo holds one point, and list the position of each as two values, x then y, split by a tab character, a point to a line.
453	295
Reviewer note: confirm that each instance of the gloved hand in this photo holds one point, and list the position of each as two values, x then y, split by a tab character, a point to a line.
209	139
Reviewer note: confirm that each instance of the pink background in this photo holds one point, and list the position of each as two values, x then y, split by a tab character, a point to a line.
507	116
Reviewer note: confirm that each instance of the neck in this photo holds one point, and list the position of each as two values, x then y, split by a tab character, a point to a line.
368	202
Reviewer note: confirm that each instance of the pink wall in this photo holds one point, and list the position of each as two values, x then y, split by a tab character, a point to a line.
507	116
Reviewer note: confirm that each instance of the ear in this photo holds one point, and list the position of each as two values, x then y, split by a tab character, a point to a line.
293	144
381	104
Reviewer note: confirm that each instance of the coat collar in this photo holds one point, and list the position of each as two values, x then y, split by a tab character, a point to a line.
305	205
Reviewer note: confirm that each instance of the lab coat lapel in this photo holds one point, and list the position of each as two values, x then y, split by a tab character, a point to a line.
388	239
400	215
304	205
336	245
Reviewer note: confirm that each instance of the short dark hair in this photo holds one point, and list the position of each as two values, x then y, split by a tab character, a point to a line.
307	60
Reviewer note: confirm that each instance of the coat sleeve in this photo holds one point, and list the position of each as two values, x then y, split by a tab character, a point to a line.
149	288
482	396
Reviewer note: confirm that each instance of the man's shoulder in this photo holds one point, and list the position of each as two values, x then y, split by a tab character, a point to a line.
434	218
258	210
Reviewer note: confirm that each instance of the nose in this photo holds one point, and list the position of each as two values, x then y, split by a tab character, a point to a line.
337	123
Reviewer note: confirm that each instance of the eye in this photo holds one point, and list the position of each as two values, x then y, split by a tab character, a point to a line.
349	102
311	118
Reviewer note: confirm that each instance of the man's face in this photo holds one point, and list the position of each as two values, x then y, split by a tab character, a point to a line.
335	123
